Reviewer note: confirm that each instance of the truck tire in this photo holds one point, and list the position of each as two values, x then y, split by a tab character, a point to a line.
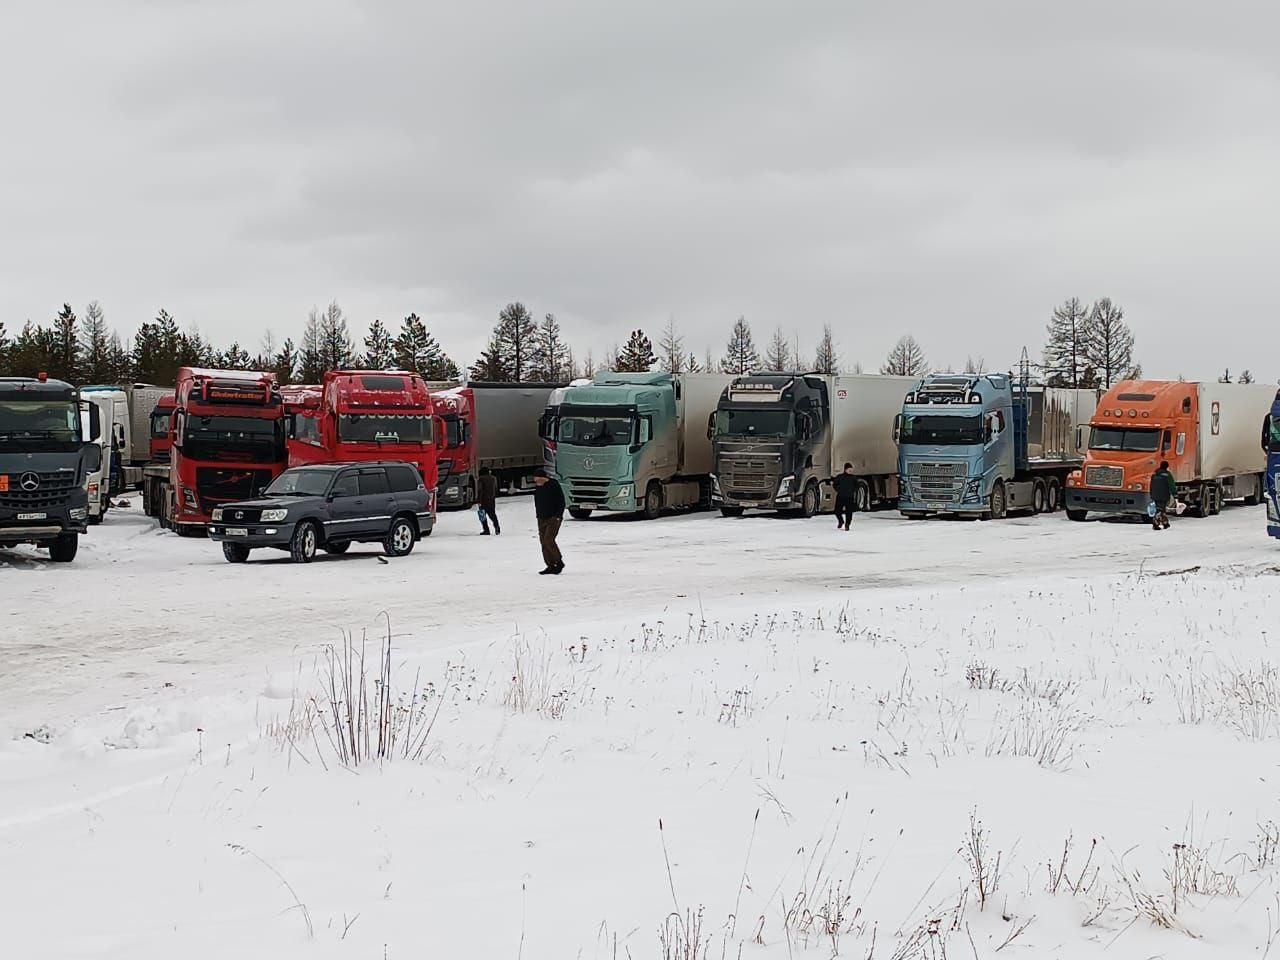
862	497
235	552
400	538
652	501
190	530
809	501
999	507
303	543
63	549
94	519
1215	499
1039	497
1255	498
732	511
336	548
913	514
579	514
469	495
1076	515
1052	495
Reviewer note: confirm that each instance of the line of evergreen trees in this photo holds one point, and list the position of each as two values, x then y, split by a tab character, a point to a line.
1087	347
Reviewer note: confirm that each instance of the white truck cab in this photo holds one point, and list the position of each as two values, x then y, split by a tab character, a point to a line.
98	482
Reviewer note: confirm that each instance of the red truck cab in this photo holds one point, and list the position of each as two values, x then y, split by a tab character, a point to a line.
227	443
161	426
364	415
457	412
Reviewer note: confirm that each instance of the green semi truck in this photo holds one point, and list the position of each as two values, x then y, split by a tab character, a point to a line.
637	442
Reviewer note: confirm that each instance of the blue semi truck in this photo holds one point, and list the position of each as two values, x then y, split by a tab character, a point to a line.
986	445
1271	443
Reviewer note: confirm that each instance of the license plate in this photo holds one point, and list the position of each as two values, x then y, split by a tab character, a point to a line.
33	516
4	483
236	532
936	506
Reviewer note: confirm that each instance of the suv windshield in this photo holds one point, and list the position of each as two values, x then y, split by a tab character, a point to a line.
1118	438
753	423
932	428
233	438
591	431
300	483
383	428
39	420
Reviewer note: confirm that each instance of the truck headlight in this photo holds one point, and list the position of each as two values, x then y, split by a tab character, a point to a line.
216	516
274	516
784	486
624	492
79	513
188	496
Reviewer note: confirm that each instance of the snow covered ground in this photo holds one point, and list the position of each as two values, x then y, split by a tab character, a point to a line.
709	738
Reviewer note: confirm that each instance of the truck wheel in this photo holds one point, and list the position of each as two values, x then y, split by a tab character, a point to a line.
579	514
809	501
913	514
999	505
63	549
1215	499
94	519
235	552
861	497
303	543
1076	514
652	501
731	511
1255	498
400	538
1052	496
469	496
1039	497
336	548
190	530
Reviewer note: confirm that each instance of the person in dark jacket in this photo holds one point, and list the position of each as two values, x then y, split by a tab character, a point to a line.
548	505
487	502
846	496
1163	489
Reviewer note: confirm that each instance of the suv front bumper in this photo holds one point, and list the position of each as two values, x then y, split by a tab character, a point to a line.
255	534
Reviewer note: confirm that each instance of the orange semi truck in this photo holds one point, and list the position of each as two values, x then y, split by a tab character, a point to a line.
1207	431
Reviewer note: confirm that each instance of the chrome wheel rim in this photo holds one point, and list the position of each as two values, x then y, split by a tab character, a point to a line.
403	537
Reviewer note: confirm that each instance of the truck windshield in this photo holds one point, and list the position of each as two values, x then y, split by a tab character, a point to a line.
39	420
1275	433
300	483
1118	438
453	432
233	438
753	423
593	431
383	428
160	424
932	428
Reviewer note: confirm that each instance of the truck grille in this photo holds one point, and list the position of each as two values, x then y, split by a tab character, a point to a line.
54	491
588	490
1104	477
217	485
936	482
749	477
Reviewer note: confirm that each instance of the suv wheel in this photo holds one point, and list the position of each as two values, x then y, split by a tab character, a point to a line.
302	546
63	549
235	552
400	538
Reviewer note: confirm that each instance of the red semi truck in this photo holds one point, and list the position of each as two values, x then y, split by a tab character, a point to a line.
364	415
155	474
227	439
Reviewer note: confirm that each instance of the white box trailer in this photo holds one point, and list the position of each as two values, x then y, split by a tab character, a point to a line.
697	395
863	408
132	405
1230	428
507	418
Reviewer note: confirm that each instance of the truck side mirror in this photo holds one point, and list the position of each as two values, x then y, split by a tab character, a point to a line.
1266	432
95	425
897	427
711	425
1079	437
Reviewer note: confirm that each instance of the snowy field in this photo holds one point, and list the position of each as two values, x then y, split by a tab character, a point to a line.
709	738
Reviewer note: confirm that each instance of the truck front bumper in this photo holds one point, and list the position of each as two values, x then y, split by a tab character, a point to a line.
614	497
1108	500
41	526
255	534
450	492
731	499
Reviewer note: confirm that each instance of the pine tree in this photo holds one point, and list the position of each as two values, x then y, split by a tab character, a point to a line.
119	364
491	367
975	365
158	350
825	359
550	353
778	356
417	350
195	351
32	351
1109	344
5	370
906	359
588	365
1226	376
1246	376
671	353
379	349
740	356
1066	362
337	350
693	365
66	347
235	357
94	345
517	337
310	358
636	355
285	363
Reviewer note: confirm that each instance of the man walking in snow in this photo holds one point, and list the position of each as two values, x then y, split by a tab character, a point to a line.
548	506
1163	489
487	502
846	496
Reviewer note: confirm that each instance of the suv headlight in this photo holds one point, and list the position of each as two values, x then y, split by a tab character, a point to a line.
216	516
274	516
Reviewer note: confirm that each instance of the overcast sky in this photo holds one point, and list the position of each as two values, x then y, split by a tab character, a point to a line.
952	170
